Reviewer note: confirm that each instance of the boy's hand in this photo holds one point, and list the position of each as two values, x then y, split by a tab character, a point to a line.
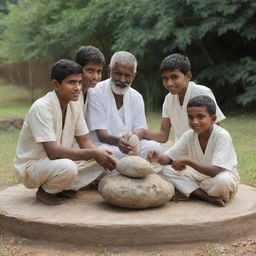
104	158
179	164
153	156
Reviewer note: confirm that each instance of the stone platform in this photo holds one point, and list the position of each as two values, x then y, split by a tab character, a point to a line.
89	220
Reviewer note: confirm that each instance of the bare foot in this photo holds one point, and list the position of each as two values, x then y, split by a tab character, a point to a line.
47	198
210	199
68	194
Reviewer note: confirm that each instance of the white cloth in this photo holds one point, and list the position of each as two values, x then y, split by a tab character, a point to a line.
44	123
219	152
178	114
102	113
83	102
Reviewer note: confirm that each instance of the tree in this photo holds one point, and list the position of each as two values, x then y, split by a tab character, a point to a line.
218	36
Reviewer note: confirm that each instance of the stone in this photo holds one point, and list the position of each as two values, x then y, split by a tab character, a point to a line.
122	191
135	141
134	166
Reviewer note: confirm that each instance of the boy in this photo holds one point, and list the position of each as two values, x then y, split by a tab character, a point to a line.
203	160
44	158
92	61
176	75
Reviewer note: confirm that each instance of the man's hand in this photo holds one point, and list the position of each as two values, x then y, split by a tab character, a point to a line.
179	164
153	156
125	146
104	158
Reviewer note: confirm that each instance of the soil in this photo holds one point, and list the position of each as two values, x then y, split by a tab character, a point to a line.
17	246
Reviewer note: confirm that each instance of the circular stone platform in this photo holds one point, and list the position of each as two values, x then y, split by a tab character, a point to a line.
89	220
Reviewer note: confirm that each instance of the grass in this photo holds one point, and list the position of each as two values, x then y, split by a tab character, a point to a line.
13	110
242	129
16	100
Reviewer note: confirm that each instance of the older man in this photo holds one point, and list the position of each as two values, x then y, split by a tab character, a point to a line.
115	109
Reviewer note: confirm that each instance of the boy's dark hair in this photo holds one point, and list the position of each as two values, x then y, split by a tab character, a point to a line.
63	68
203	101
88	54
175	61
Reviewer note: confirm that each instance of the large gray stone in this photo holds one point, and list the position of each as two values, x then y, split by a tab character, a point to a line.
134	166
122	191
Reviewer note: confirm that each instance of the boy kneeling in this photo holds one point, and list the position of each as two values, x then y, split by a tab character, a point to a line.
203	162
44	158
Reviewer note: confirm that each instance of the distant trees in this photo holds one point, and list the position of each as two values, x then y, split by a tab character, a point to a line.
218	36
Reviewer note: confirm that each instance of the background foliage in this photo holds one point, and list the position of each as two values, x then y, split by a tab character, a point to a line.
218	36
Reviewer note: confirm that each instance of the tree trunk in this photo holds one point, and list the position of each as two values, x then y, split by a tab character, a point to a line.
30	80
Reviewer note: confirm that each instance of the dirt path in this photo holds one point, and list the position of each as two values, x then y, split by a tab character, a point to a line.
16	246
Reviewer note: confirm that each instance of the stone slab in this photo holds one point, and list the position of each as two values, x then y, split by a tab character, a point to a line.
89	220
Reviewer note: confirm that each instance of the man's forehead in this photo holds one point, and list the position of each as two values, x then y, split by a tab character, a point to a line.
124	67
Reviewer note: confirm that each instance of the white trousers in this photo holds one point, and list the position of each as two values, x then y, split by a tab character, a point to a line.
61	174
224	185
145	146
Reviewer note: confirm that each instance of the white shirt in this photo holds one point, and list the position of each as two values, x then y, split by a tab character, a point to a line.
219	150
102	112
44	123
178	114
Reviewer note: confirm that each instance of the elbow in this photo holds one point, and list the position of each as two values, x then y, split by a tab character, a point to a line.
52	156
163	140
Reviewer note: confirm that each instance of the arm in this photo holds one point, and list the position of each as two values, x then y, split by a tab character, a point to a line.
84	142
160	136
101	156
120	142
209	170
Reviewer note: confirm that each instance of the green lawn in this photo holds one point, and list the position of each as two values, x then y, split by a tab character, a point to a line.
242	129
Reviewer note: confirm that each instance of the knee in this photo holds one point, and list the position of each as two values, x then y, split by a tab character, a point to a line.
224	180
223	185
68	168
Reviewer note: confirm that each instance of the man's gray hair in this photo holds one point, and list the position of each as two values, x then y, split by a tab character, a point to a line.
124	58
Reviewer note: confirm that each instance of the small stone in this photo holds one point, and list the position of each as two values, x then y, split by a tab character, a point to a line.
122	191
135	141
134	166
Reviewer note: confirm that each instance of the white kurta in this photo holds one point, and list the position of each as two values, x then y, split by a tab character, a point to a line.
178	114
102	113
83	102
219	152
44	123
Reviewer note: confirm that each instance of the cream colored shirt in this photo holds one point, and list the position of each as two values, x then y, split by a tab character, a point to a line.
219	150
44	123
178	114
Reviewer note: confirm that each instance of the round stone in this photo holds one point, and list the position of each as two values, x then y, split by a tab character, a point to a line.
122	191
134	166
135	141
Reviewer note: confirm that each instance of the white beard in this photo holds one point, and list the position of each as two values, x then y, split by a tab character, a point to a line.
118	90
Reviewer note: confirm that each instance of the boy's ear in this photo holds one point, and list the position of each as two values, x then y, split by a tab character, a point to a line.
55	85
189	75
214	118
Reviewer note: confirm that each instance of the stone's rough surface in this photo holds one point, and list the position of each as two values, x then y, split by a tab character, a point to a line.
122	191
135	141
134	166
